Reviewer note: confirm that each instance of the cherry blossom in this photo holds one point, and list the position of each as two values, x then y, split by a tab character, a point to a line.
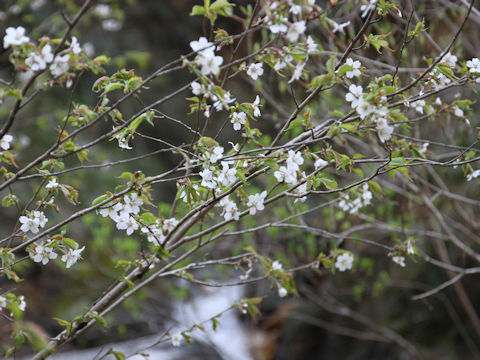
320	163
60	65
230	209
52	184
474	65
255	202
14	36
355	65
450	59
344	262
207	179
169	224
256	109
295	30
75	46
38	62
126	222
43	252
279	27
5	141
255	70
473	175
384	130
238	119
400	260
276	266
355	94
176	339
72	256
282	292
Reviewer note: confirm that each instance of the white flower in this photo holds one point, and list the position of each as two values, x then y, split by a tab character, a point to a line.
126	222
458	112
60	65
368	7
103	11
197	88
238	119
210	64
297	72
320	163
384	130
255	202
364	108
256	109
5	141
43	253
72	256
216	154
276	266
110	211
410	249
52	184
279	27
473	175
3	302
287	174
338	27
282	292
75	46
295	9
203	47
474	65
294	159
400	260
230	209
133	203
419	104
295	30
223	101
424	148
450	59
438	101
176	339
155	234
355	65
311	45
255	70
283	63
111	25
38	62
344	262
169	224
207	179
355	94
22	305
227	176
14	36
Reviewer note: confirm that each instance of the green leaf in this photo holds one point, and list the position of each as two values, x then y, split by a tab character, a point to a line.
99	199
198	10
118	355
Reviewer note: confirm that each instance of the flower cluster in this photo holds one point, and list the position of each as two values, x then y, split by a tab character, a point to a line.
122	212
33	221
5	141
206	58
352	206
